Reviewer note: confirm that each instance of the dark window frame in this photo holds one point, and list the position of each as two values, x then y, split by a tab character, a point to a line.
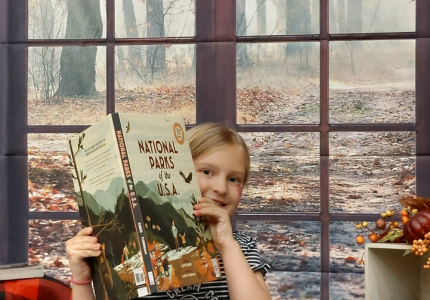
216	101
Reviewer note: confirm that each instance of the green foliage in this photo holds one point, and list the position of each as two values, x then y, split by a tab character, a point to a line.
392	235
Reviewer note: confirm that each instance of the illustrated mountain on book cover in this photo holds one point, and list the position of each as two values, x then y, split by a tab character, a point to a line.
136	186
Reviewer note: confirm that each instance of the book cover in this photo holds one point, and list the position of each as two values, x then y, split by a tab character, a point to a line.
136	186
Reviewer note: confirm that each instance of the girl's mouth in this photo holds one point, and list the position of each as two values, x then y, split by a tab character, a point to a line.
219	203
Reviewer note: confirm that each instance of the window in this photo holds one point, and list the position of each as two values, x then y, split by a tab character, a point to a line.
330	95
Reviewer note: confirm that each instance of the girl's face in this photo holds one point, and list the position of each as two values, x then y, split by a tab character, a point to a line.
221	176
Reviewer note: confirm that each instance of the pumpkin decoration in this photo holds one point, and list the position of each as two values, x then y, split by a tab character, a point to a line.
417	226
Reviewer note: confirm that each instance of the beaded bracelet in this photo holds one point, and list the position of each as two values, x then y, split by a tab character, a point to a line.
80	282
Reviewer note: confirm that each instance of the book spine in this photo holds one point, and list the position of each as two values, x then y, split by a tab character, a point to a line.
134	204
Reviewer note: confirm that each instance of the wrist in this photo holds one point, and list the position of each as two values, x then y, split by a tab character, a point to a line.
80	282
227	246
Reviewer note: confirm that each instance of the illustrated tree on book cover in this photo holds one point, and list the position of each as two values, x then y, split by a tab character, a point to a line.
179	243
107	225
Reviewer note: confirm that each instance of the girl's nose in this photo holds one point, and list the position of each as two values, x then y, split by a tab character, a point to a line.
219	186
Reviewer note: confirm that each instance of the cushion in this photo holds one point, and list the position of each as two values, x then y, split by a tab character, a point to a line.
44	288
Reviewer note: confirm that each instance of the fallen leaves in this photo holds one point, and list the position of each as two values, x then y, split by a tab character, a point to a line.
47	245
350	260
50	185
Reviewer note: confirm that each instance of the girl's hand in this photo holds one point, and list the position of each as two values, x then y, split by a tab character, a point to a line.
78	248
219	222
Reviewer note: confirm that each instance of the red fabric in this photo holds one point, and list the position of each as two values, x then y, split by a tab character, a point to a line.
45	288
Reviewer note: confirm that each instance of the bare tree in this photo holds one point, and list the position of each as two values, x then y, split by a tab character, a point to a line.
341	15
242	55
261	17
332	17
156	54
131	31
281	6
77	66
298	21
353	24
45	22
160	19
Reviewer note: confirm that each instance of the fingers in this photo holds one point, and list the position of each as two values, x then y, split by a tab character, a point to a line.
85	231
81	251
78	251
83	245
205	200
82	239
207	207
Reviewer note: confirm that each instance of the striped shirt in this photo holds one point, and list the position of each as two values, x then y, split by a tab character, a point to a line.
217	290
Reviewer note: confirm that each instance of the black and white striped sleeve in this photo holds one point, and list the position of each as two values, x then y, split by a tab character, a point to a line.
249	248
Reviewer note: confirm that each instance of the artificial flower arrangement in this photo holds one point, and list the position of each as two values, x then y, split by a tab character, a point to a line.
409	225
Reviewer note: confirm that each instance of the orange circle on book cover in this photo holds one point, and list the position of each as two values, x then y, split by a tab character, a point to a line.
179	133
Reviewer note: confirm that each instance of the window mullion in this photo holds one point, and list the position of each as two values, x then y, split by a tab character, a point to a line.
422	119
422	98
324	150
216	61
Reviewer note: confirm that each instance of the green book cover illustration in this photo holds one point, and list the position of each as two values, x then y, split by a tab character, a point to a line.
136	186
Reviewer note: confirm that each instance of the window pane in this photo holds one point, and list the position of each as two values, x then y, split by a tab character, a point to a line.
49	179
370	172
369	16
62	19
284	172
294	285
278	83
292	249
281	17
347	286
47	245
372	82
347	275
156	79
66	85
154	18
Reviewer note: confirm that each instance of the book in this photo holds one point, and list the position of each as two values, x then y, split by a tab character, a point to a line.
135	183
20	271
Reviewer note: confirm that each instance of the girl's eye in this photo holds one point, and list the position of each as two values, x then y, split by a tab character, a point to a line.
234	179
206	172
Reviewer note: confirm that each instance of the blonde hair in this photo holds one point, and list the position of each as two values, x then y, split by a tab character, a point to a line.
206	138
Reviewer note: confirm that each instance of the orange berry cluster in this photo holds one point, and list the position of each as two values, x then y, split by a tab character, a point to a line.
421	247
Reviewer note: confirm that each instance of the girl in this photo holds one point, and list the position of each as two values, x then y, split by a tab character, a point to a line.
222	164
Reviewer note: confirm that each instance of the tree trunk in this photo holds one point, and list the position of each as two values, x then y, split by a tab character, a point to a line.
261	24
280	16
333	23
156	54
134	55
77	65
298	22
261	17
242	55
298	17
353	25
341	15
354	16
